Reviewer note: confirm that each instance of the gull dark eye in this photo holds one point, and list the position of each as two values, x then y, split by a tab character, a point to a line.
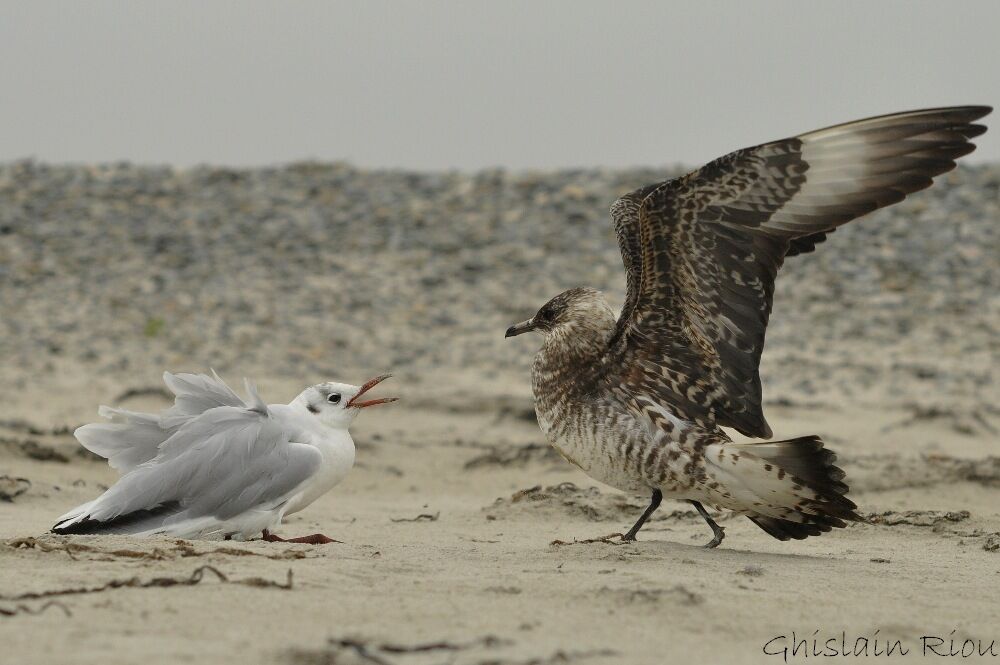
334	398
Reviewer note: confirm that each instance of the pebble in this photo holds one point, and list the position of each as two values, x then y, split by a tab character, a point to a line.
311	267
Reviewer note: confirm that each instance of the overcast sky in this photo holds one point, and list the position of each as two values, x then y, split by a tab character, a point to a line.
468	84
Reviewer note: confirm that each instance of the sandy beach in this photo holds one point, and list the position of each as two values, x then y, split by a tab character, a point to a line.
464	537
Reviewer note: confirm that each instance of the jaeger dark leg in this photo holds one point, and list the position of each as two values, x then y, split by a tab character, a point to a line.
718	531
654	503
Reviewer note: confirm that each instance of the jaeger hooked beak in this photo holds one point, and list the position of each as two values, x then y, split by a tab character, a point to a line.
520	328
353	403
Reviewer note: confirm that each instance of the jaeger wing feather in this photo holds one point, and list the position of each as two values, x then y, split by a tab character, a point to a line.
701	252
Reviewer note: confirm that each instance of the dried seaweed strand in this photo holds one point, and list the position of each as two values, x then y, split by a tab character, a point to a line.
135	582
365	649
181	548
144	391
609	539
20	485
423	517
24	609
487	641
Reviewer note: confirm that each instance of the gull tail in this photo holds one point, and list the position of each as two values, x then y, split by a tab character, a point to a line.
791	489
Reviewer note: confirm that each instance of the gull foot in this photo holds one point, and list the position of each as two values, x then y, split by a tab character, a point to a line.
314	539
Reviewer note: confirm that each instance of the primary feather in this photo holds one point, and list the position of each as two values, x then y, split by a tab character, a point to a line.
701	252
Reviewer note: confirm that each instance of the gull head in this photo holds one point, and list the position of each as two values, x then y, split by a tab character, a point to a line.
570	310
338	404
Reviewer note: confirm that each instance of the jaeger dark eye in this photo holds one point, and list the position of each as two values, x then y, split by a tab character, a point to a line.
334	398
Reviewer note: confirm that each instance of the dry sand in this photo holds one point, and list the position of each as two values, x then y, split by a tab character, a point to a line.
480	573
449	522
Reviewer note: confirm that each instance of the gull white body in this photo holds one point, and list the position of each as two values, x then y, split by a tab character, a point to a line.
337	450
215	465
335	445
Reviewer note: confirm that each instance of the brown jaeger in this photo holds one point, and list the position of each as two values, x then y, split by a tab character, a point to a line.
639	402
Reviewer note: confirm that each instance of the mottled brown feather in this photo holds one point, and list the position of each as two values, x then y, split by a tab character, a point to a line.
701	252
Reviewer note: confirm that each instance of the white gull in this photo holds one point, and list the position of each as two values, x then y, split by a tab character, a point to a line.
216	466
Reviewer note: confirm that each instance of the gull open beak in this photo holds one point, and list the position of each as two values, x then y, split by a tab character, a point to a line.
520	328
371	383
